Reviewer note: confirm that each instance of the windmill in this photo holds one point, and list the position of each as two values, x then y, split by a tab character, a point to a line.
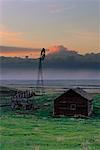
40	83
21	100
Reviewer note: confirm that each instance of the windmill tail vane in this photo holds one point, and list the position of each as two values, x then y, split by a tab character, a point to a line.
42	55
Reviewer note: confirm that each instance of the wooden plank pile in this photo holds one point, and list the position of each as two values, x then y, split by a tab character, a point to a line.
22	100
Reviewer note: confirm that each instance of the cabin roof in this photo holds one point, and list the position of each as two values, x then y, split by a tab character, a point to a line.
79	91
83	93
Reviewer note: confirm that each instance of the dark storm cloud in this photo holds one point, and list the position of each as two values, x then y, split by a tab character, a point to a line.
60	59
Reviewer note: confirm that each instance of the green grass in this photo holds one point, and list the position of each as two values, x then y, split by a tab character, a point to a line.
40	131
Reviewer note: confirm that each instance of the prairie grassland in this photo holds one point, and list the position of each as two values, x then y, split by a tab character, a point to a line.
39	130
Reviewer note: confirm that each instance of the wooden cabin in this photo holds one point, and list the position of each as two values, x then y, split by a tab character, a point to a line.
74	102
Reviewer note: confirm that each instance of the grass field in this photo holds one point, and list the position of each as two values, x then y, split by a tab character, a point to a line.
39	130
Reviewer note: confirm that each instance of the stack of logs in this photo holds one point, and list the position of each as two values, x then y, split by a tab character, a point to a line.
22	100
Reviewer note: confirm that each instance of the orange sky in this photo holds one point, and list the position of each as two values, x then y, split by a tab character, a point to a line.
81	42
30	53
20	54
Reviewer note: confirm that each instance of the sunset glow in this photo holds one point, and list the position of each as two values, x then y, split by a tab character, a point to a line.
36	24
20	54
54	49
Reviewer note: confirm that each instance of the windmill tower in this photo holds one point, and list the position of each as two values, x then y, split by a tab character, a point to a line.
40	84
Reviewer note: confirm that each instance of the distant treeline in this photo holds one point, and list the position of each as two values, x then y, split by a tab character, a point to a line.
61	60
16	62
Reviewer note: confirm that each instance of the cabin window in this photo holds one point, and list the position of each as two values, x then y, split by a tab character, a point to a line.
72	106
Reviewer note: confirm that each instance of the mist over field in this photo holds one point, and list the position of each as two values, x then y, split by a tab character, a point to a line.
53	74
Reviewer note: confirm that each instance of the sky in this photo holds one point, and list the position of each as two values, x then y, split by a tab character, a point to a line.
49	23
